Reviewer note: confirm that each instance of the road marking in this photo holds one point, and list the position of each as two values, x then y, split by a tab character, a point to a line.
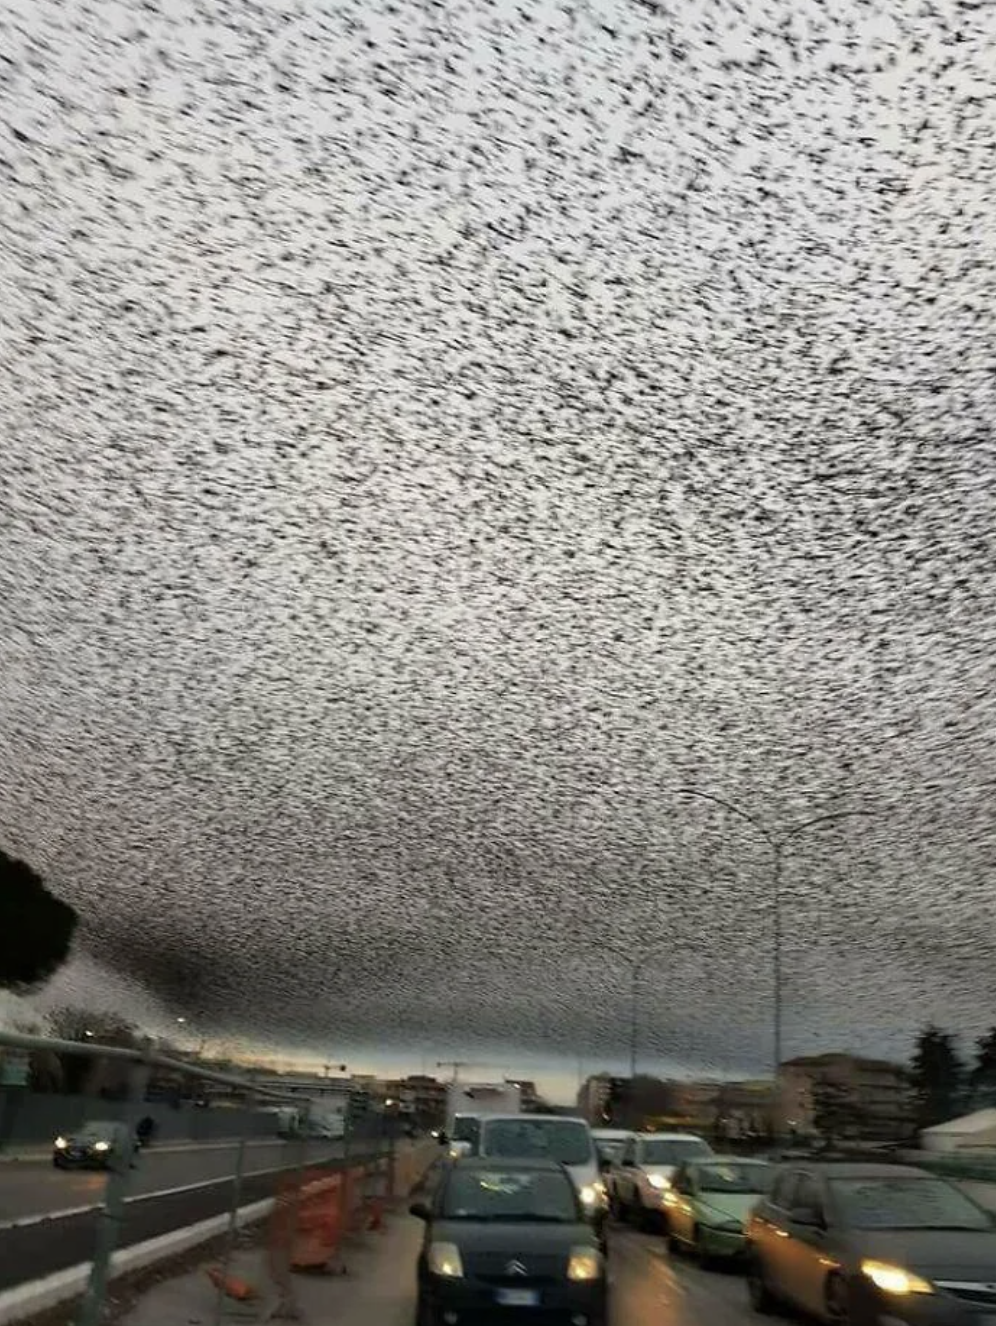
45	1217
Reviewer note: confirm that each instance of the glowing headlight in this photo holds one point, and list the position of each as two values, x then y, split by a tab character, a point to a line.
101	1146
444	1259
593	1194
894	1280
658	1181
585	1264
61	1143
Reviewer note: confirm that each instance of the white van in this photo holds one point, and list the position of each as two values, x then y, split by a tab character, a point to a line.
514	1136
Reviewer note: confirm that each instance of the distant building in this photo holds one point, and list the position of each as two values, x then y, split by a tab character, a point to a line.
592	1098
972	1132
420	1097
528	1095
875	1095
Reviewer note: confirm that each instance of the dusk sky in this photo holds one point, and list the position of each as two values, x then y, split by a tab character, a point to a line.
436	437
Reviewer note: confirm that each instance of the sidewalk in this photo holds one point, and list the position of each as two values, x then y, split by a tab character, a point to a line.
378	1288
44	1153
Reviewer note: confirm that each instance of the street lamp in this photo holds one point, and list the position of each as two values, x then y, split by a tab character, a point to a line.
777	841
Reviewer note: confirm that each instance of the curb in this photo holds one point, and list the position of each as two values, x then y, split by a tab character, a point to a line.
39	1295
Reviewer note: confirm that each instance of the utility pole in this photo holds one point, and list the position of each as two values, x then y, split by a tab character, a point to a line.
777	840
634	1023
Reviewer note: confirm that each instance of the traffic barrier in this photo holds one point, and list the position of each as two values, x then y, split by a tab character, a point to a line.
318	1228
231	1285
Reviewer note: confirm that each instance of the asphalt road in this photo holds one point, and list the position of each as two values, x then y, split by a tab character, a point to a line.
35	1240
648	1287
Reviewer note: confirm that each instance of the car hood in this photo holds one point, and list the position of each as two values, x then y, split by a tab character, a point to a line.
938	1254
728	1205
511	1239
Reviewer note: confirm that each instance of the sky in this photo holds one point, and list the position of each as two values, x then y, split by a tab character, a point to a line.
442	441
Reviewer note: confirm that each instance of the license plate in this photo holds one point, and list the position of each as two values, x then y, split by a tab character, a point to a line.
517	1298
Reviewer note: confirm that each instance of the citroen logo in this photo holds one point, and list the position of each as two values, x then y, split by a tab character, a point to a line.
515	1268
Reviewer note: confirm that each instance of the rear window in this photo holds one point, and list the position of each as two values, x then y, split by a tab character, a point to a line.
672	1150
566	1140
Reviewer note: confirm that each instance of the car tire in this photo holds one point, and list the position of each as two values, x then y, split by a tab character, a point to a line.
705	1258
424	1316
762	1300
837	1300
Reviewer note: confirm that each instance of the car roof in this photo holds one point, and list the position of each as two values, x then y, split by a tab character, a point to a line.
729	1160
671	1137
493	1163
844	1169
534	1118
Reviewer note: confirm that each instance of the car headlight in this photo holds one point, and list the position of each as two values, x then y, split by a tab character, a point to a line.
894	1280
101	1146
584	1264
593	1194
658	1181
444	1259
61	1143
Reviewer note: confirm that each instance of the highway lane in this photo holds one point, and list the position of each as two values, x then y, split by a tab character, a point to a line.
29	1189
41	1247
648	1287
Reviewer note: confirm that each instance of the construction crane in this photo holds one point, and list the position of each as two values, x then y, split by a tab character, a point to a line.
456	1065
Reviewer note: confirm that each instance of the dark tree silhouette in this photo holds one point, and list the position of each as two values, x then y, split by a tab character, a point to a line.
36	928
983	1078
937	1077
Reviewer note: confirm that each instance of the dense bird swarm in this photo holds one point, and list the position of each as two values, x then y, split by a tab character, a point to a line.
435	434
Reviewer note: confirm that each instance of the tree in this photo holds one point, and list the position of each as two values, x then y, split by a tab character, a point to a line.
982	1081
836	1111
36	928
84	1072
937	1077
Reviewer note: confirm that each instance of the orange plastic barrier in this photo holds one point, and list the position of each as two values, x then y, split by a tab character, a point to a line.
318	1227
232	1286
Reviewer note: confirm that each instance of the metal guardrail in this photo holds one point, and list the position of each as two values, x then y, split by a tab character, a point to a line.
141	1061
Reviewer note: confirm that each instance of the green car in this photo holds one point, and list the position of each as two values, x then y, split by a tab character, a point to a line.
708	1202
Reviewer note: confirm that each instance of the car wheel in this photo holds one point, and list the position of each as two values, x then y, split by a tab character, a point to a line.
424	1315
837	1297
706	1259
762	1300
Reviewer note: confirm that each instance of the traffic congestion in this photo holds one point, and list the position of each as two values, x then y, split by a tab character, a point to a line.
525	1217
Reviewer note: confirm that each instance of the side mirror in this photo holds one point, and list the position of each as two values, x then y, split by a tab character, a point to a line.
806	1217
420	1210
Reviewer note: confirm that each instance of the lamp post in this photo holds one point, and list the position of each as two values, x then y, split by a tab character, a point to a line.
777	840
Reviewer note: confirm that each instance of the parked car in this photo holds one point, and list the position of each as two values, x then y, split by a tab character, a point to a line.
508	1238
870	1244
644	1174
708	1203
94	1146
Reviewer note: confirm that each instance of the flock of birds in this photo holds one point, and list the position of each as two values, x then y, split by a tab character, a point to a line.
442	441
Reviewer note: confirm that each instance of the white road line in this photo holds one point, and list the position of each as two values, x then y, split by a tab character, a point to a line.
26	1222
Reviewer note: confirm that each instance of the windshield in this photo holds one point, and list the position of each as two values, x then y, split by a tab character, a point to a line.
610	1150
465	1128
671	1150
746	1177
98	1130
566	1140
906	1203
546	1195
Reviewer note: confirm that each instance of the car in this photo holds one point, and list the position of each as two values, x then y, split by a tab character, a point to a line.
708	1203
564	1139
94	1146
508	1240
644	1173
872	1245
610	1144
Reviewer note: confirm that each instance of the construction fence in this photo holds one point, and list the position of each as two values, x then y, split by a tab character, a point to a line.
101	1205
